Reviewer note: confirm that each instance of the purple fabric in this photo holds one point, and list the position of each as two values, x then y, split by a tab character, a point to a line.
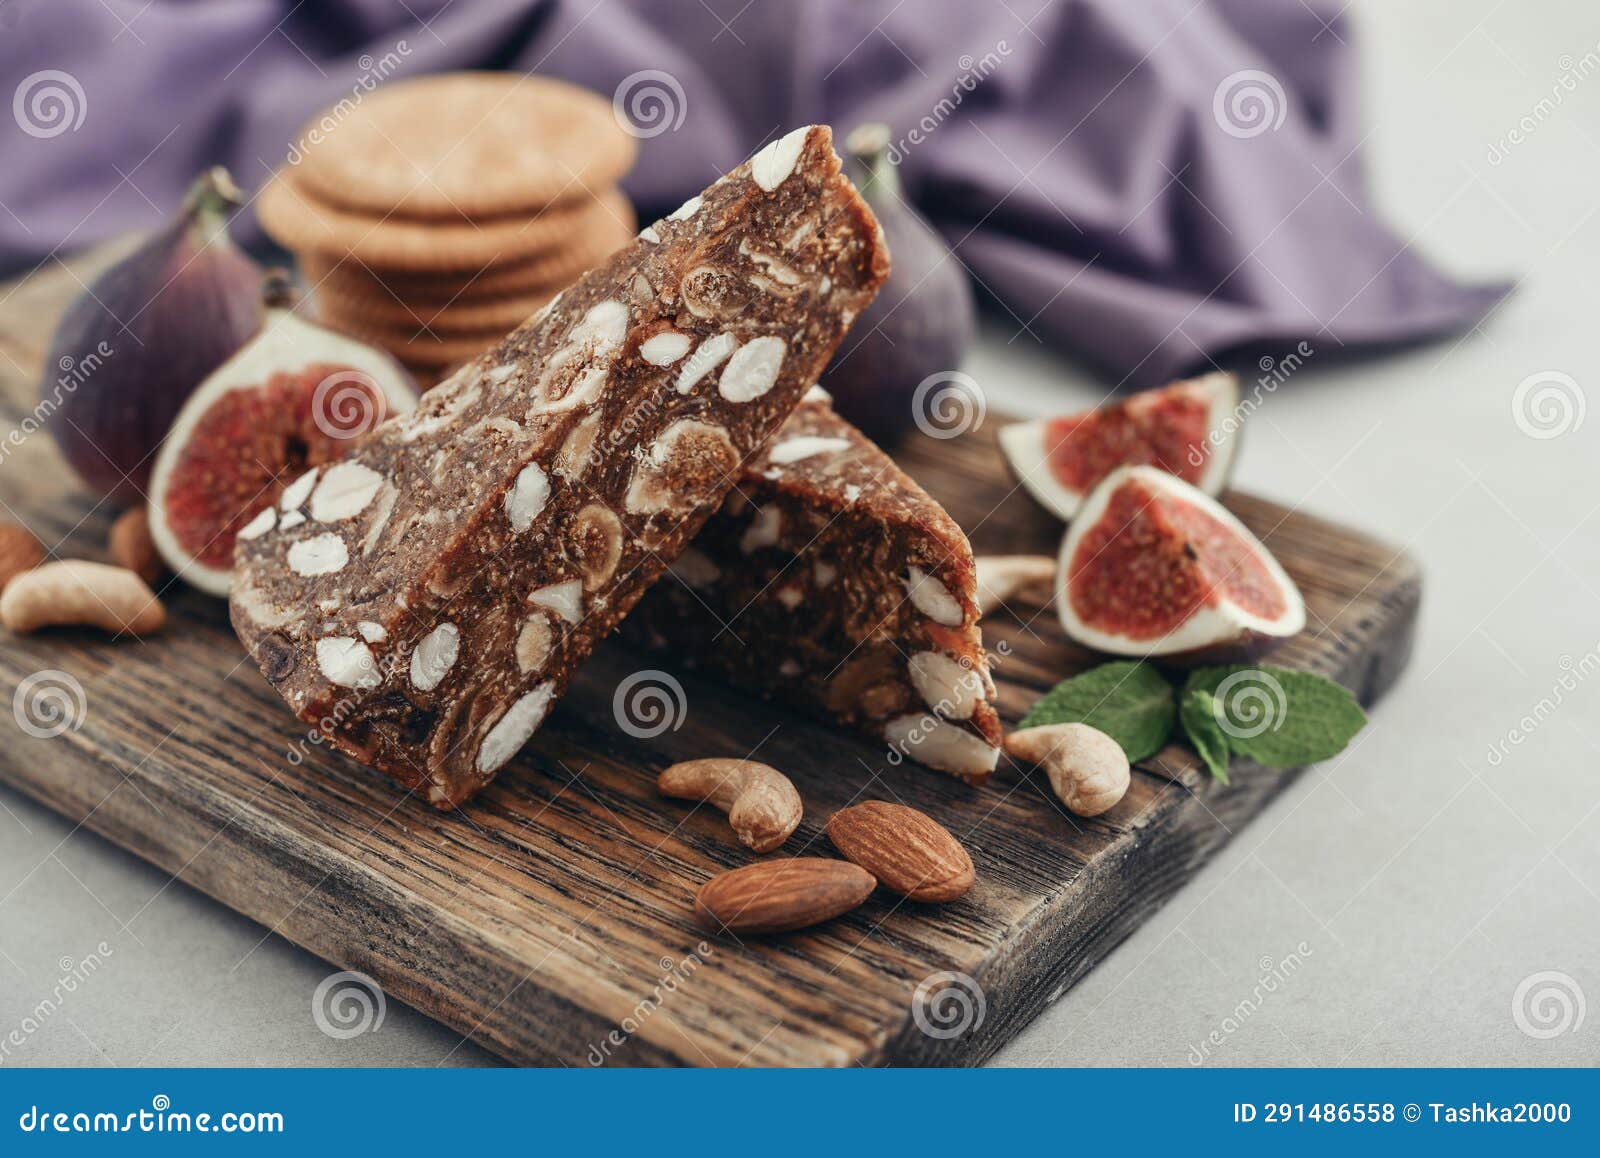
1103	169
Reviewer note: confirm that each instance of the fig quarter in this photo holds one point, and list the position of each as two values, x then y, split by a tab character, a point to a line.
775	896
908	851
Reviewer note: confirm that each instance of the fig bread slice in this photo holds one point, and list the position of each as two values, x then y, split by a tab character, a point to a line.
424	601
832	581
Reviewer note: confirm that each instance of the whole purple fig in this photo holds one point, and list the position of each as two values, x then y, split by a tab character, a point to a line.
922	320
134	345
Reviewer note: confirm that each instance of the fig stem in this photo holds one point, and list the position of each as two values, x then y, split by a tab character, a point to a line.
868	147
210	199
278	290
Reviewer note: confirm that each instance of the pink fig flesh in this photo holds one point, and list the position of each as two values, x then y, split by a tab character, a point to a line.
247	446
1186	429
1151	563
1154	567
1158	431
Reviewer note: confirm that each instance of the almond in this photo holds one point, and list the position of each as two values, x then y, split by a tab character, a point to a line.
20	550
908	851
130	545
774	896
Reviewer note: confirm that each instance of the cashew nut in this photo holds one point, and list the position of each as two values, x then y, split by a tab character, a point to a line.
762	805
1087	768
1002	577
75	592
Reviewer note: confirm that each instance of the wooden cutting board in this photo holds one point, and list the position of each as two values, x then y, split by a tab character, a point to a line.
550	919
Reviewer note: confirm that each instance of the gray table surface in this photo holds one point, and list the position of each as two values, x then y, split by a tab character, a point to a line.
1436	888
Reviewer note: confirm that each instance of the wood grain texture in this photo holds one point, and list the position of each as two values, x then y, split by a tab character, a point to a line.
557	906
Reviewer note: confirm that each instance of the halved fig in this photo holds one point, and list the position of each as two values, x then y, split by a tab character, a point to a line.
294	397
1186	429
1153	567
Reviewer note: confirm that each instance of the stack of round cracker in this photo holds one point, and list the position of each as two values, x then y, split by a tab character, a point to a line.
437	214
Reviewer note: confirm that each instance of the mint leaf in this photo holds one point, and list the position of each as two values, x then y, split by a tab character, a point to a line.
1131	702
1200	724
1276	716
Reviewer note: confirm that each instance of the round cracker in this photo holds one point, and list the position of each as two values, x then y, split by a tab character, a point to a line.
461	317
298	221
463	146
349	278
416	347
